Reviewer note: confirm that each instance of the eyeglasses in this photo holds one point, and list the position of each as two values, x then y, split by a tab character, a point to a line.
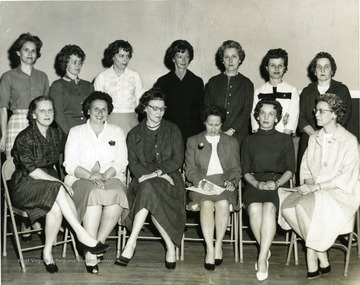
163	109
321	111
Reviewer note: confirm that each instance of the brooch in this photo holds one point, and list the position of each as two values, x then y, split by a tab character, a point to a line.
112	143
200	146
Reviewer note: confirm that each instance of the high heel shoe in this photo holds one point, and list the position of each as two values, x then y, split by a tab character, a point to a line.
51	268
313	275
98	248
218	261
122	261
170	265
326	270
93	269
209	266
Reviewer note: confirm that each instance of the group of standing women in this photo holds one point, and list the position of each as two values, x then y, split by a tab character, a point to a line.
104	137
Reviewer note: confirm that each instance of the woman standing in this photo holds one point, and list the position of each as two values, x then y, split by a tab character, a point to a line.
329	195
268	161
275	64
324	67
70	91
212	156
122	84
95	160
156	154
184	90
232	91
18	87
35	186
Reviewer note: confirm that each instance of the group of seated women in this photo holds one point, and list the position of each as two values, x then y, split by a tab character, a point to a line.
93	197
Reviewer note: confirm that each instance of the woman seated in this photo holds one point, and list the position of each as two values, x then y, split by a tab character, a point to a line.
213	158
35	186
329	175
156	153
95	160
268	161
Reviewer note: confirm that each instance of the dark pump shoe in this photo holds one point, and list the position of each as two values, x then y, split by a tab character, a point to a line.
170	265
313	275
51	267
98	248
218	261
209	266
122	261
325	270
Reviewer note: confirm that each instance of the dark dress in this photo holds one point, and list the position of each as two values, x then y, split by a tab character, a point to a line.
266	155
184	101
31	151
148	151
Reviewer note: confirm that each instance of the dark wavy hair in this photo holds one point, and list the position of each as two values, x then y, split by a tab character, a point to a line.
276	53
152	94
20	41
323	55
268	101
97	95
33	105
178	46
215	111
336	104
65	53
114	48
230	44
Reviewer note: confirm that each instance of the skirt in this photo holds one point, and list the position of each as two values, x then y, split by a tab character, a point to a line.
16	124
87	194
165	202
126	121
35	196
196	198
254	195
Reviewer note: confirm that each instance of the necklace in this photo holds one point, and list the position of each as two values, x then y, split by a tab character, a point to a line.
149	127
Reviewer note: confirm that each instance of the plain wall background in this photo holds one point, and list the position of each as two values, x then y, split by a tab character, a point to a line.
302	27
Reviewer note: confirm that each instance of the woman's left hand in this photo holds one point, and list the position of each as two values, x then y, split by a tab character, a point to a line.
307	188
271	185
229	186
147	176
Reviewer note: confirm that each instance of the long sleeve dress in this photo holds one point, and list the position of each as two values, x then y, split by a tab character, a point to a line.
267	155
184	101
148	151
332	210
32	151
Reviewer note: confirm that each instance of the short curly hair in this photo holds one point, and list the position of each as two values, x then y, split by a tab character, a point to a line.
323	55
97	95
276	53
178	46
65	53
230	44
268	101
154	93
215	111
33	106
20	41
335	103
114	48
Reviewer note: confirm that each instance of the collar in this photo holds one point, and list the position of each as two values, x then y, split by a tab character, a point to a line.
338	135
266	132
68	79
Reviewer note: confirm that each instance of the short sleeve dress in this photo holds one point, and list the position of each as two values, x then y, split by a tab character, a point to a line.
32	151
266	155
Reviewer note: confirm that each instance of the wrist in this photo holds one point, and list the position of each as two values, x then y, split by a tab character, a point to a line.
277	182
105	177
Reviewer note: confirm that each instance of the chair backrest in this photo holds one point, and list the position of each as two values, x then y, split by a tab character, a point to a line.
7	170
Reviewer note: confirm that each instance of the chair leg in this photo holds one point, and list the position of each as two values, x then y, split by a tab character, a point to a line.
241	238
182	247
348	251
66	232
291	246
18	244
236	235
5	228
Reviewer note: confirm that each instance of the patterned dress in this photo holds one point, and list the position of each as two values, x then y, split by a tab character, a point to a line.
32	151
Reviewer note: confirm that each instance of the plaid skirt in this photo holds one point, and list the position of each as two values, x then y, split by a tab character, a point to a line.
16	124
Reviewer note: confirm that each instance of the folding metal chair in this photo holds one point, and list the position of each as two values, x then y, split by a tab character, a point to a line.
7	169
